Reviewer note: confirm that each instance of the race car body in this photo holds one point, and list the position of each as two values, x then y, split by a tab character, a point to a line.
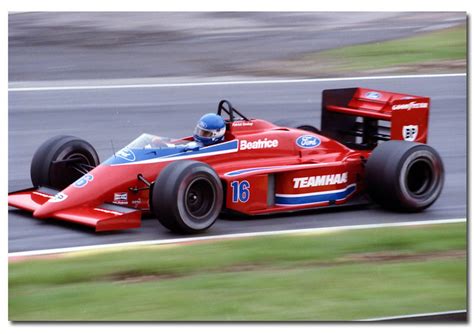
259	168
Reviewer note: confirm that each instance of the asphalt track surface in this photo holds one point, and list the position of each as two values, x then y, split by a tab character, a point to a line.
121	114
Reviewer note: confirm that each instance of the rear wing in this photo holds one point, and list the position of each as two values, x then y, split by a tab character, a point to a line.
360	117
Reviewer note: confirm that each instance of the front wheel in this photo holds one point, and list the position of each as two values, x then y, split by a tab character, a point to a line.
61	160
187	196
404	176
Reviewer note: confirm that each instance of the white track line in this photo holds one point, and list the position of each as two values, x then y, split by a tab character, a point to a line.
408	316
232	236
244	82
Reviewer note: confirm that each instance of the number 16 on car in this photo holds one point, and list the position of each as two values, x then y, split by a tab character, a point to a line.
240	191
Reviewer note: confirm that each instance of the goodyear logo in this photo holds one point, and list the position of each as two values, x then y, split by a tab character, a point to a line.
410	106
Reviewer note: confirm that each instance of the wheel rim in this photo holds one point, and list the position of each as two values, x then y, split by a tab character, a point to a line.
420	177
67	174
199	198
80	157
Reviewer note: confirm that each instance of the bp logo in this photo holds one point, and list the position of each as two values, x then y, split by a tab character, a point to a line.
308	141
410	132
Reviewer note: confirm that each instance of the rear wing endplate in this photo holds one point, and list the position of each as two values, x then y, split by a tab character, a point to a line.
360	117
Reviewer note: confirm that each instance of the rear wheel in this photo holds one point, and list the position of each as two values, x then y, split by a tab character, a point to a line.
187	196
61	160
404	176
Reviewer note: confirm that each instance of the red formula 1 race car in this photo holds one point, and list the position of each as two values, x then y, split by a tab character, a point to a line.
372	144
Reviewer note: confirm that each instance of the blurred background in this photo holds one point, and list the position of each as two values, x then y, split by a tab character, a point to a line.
124	45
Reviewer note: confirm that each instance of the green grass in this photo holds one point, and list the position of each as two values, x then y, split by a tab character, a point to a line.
431	51
309	277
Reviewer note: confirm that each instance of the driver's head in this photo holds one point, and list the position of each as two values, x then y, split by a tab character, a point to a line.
210	129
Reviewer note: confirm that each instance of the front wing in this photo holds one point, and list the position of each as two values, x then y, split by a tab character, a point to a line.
105	217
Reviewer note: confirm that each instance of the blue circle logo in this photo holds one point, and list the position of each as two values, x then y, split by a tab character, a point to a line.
126	154
308	141
373	95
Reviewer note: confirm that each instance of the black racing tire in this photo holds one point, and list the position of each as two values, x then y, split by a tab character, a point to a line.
60	175
187	196
404	176
295	124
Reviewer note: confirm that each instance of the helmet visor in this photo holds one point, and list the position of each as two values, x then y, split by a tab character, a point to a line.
208	133
203	133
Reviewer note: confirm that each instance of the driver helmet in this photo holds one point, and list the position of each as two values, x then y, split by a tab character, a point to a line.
209	130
